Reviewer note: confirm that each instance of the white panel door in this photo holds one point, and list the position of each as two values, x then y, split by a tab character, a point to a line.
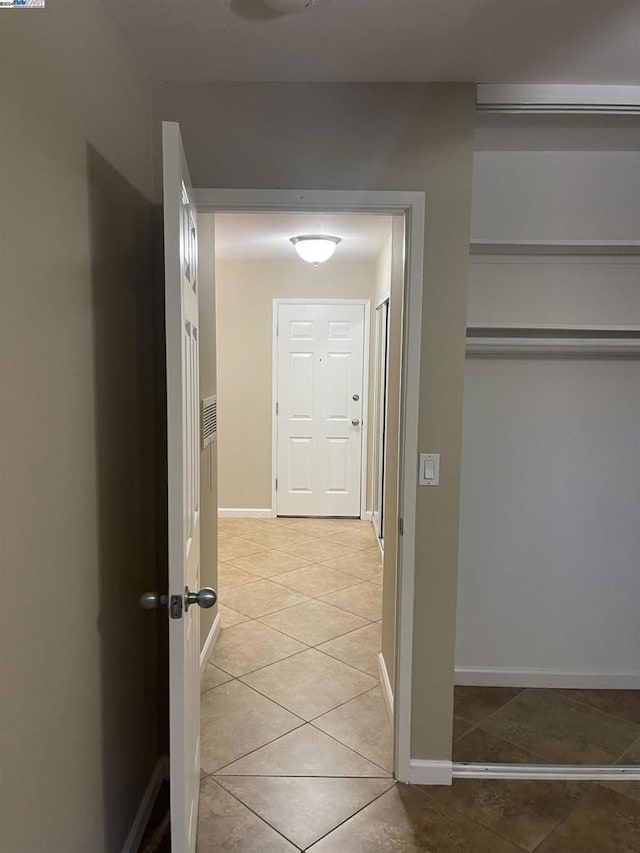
183	472
320	385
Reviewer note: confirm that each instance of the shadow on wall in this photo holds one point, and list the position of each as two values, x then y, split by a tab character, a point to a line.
123	313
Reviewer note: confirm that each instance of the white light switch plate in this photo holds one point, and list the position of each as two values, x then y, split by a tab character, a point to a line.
429	469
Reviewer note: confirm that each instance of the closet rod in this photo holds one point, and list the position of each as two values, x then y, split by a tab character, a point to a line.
559	347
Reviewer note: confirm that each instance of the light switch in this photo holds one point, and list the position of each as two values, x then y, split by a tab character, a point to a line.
429	469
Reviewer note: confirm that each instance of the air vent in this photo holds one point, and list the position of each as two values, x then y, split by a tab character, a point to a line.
209	420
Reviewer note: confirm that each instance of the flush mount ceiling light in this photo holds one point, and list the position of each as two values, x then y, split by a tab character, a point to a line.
284	7
315	248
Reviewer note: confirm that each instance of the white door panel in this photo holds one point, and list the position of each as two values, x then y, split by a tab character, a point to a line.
183	475
320	369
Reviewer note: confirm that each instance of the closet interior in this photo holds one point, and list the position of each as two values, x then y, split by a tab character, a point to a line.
548	636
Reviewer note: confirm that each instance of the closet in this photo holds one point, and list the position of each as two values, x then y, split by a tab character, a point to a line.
549	572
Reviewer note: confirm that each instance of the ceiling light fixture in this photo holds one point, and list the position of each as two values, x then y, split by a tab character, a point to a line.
284	7
315	248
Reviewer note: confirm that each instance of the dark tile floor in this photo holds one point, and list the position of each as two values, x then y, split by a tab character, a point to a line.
510	725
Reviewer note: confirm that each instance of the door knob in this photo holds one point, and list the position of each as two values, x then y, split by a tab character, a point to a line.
206	598
151	600
355	422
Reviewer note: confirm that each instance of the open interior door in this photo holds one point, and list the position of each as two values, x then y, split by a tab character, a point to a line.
183	472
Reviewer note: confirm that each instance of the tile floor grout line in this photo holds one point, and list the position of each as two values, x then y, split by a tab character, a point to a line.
282	631
264	665
284	708
259	816
314	597
472	821
497	710
293	654
217	773
509	742
303	723
251	751
586	705
270	613
346	820
513	743
344	608
492	830
389	774
342	704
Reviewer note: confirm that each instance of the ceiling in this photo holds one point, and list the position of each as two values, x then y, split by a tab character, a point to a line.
496	41
265	236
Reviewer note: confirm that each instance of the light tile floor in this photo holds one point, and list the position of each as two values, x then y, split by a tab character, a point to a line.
295	734
296	743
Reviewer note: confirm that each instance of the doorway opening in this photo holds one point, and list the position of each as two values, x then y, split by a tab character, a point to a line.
301	408
310	582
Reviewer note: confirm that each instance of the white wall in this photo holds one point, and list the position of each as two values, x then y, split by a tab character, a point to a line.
549	577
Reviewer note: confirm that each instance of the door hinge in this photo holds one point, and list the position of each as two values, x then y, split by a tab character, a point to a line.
277	330
277	408
276	484
401	526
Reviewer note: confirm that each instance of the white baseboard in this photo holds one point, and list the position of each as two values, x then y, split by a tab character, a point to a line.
430	772
209	643
225	512
160	773
367	516
579	680
385	684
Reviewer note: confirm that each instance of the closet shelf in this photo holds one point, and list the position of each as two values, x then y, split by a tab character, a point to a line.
555	247
552	329
553	341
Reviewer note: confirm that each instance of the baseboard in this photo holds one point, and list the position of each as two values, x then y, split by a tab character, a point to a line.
160	773
385	685
367	516
579	680
430	772
209	643
225	512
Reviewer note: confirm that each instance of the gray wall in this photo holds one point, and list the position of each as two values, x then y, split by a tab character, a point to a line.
77	450
372	136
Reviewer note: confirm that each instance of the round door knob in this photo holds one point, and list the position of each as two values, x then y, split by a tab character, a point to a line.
355	422
151	600
206	598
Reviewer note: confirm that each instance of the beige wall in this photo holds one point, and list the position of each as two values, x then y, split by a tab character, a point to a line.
77	449
388	137
245	294
208	386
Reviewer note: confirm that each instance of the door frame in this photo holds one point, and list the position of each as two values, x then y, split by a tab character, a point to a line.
366	303
378	437
411	205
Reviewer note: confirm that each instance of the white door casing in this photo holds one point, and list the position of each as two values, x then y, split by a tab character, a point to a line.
410	205
380	414
320	369
183	485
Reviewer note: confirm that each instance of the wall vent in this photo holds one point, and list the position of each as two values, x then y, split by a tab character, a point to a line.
208	420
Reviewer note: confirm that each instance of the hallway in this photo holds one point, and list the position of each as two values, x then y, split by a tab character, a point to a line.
294	725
